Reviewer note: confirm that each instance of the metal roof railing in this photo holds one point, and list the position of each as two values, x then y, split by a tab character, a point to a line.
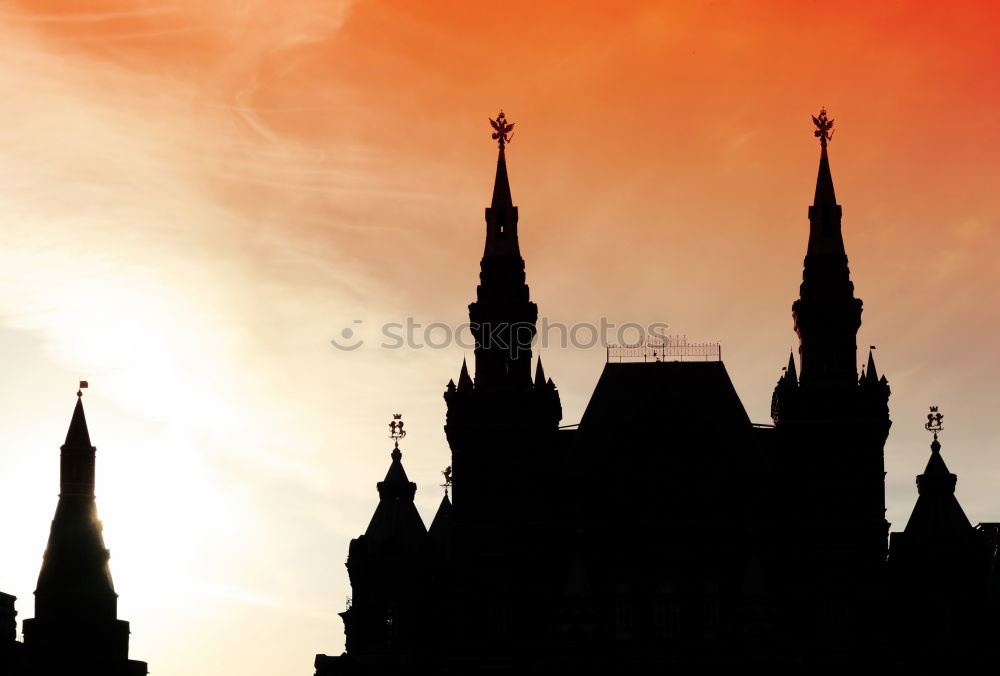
667	349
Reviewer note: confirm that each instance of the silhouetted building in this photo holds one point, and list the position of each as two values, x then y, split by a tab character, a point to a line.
11	651
666	531
76	629
941	567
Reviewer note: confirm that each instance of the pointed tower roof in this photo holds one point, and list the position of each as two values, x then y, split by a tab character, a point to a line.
396	518
501	184
396	483
825	195
937	513
441	524
78	436
870	373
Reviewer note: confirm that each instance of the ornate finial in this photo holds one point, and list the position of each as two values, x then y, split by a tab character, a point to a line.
823	127
83	385
502	131
396	431
447	479
934	423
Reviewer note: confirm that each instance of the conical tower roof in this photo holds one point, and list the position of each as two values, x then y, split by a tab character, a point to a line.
396	518
78	436
937	512
441	524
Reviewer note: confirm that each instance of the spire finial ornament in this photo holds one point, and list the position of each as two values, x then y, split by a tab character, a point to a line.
823	127
83	385
447	479
934	424
396	431
502	131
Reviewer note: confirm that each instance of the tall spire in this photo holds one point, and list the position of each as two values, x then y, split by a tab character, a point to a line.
501	215
502	317
825	236
501	185
78	436
827	315
76	465
75	600
824	181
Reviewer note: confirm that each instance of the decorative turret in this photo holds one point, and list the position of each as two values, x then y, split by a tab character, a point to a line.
939	564
937	513
464	380
396	522
385	564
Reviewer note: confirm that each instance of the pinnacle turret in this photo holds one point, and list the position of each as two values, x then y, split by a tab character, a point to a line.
539	374
464	379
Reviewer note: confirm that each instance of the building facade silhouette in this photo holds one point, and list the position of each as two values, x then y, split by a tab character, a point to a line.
75	629
720	544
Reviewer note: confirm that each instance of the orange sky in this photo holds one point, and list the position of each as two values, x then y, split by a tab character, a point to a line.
196	197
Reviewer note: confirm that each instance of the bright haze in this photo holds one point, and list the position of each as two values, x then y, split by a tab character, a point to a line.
196	198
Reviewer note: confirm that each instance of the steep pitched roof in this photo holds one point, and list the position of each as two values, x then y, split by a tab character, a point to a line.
78	436
441	524
396	518
501	185
937	513
825	236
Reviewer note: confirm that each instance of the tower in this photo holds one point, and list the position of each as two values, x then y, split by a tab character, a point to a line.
76	627
500	422
831	428
503	430
939	565
385	568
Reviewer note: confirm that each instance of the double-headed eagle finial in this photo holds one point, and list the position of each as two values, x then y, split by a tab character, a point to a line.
823	127
502	130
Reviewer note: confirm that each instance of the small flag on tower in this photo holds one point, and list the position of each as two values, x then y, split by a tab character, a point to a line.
83	385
